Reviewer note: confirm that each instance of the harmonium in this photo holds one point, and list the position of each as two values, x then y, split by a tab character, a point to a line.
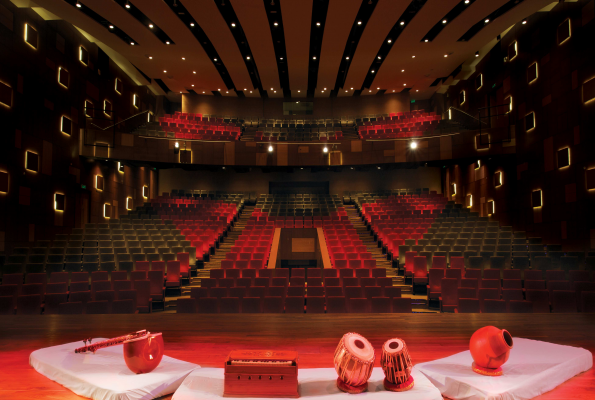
261	373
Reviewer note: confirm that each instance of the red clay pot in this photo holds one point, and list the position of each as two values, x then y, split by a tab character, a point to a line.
144	354
490	347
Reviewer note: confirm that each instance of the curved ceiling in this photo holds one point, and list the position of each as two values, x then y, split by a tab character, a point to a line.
277	48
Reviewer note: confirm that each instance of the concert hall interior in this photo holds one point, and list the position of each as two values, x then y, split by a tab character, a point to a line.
410	170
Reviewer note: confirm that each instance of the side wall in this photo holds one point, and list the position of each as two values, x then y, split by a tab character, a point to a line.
339	182
564	118
32	122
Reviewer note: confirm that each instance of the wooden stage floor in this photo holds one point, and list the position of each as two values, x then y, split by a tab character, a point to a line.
207	339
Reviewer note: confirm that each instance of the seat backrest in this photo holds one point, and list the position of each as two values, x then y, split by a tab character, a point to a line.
173	271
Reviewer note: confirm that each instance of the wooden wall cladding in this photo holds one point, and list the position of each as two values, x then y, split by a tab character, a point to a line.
33	102
553	79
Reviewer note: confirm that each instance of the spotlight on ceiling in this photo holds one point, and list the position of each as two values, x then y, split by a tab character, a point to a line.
359	22
248	57
325	149
270	149
402	23
524	22
132	43
192	24
318	24
477	54
111	27
233	24
276	23
379	57
444	21
389	41
372	71
167	42
414	145
79	5
151	26
128	4
487	20
467	1
176	148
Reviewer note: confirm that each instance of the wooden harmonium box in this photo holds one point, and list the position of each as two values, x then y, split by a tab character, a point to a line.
261	373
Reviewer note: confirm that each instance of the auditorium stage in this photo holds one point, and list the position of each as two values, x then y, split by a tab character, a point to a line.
207	339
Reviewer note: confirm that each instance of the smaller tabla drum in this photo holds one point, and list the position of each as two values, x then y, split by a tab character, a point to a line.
396	364
354	361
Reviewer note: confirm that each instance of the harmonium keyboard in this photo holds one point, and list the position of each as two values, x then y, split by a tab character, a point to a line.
261	373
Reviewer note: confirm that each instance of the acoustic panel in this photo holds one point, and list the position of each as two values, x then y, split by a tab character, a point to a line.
59	201
63	77
5	95
537	198
66	125
31	36
564	157
31	161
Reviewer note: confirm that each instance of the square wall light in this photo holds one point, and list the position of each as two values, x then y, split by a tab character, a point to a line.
119	86
107	211
532	73
129	203
83	56
99	183
31	161
490	207
3	182
564	31
564	157
59	201
508	100
479	81
453	188
135	101
66	125
462	97
107	108
469	201
5	95
146	192
88	109
31	36
498	179
63	77
512	50
478	164
120	167
529	121
537	198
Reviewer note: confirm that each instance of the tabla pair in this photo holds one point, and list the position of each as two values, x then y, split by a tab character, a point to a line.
354	362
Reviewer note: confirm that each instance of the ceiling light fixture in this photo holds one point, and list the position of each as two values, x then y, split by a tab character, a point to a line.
347	91
426	40
402	23
151	26
281	58
487	20
111	27
318	24
150	57
192	24
389	41
194	72
270	149
444	21
275	91
78	4
414	145
298	91
132	43
314	58
370	90
524	22
404	84
164	71
247	58
233	24
412	56
127	5
351	88
377	88
272	89
245	89
393	90
251	91
192	85
359	22
477	54
184	58
203	91
214	59
275	23
219	90
372	71
446	55
466	1
417	90
379	57
347	58
167	42
402	70
325	149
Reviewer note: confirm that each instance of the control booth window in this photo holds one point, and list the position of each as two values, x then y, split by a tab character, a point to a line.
298	108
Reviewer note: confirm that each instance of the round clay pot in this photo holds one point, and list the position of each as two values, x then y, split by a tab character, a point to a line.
143	355
490	347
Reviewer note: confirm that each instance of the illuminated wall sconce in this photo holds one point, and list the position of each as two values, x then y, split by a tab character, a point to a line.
5	95
453	188
513	50
563	158
119	86
589	91
63	77
462	97
107	108
478	164
129	203
107	211
83	56
59	201
490	207
149	117
146	192
508	100
532	72
135	101
31	161
99	183
120	167
3	182
186	156
529	121
482	142
564	31
537	198
469	201
88	109
590	173
478	81
498	179
31	36
65	126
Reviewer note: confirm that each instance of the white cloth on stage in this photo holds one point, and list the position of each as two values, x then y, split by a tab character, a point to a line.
533	368
105	376
314	384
